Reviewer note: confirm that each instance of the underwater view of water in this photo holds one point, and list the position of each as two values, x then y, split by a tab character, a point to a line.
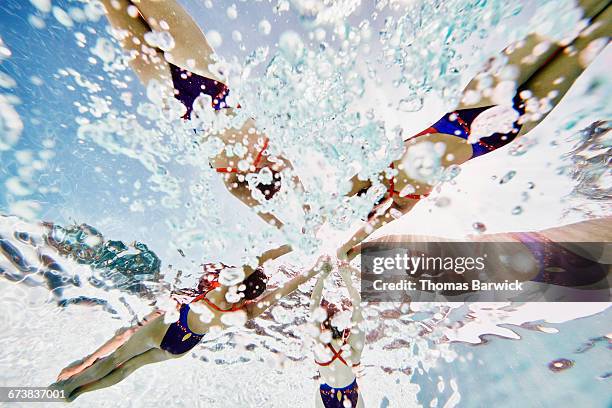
109	203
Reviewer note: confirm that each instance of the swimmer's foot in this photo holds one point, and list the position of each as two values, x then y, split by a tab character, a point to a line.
60	386
74	395
67	386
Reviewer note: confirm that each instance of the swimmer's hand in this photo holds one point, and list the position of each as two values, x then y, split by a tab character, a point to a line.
324	265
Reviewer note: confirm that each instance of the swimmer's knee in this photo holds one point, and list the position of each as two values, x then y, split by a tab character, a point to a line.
127	367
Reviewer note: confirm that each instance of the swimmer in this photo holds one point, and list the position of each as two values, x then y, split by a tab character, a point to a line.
542	72
342	348
184	72
157	340
25	259
180	297
574	255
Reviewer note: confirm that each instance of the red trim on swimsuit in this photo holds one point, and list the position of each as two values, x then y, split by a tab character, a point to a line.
255	162
427	131
335	355
218	309
468	131
214	285
338	354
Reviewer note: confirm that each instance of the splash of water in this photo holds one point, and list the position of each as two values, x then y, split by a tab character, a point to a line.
323	84
590	160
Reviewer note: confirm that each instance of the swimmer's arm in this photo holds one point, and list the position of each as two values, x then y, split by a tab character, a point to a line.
148	63
317	292
352	247
269	256
255	309
274	254
357	338
357	317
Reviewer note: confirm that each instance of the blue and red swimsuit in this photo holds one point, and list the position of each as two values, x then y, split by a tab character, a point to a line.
188	86
333	397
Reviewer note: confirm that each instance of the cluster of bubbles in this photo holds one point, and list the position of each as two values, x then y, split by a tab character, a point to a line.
26	165
79	267
589	166
304	103
423	42
322	83
320	124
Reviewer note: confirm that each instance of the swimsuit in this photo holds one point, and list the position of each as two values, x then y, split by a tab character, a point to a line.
335	397
335	355
560	266
268	190
179	338
210	281
458	124
214	285
188	87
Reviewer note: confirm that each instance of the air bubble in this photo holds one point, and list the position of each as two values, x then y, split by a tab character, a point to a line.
104	50
290	44
42	5
232	12
413	104
507	177
11	125
265	27
160	39
62	17
214	38
479	227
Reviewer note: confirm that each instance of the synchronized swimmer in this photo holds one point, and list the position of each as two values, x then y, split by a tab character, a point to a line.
186	75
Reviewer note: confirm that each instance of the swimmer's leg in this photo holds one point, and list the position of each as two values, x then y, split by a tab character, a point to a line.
191	51
528	56
552	81
147	62
122	336
122	371
143	340
318	400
